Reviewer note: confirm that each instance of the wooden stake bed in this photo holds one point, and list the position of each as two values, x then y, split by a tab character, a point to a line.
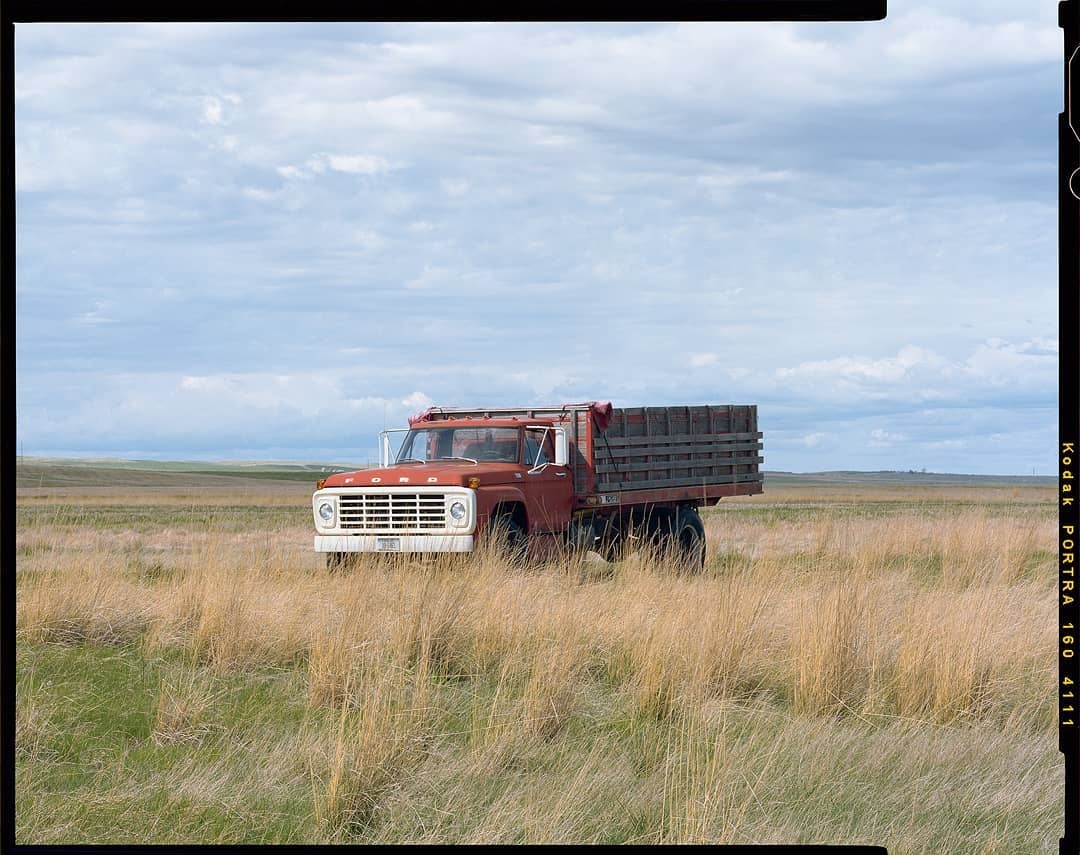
649	454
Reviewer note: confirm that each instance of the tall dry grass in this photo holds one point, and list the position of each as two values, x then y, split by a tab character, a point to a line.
182	705
377	737
910	617
907	616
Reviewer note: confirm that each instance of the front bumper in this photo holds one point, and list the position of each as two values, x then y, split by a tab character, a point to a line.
393	543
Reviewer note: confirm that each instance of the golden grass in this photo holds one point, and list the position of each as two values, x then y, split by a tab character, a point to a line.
914	617
909	616
32	725
379	735
181	709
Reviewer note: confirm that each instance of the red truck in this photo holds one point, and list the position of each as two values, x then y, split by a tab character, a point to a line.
577	476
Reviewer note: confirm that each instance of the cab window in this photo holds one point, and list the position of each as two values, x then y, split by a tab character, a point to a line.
538	442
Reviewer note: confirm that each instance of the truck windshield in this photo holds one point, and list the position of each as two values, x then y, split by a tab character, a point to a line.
446	443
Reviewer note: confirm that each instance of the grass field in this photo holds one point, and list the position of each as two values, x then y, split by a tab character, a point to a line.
860	663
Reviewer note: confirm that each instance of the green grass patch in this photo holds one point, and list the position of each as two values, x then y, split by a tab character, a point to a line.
152	517
96	765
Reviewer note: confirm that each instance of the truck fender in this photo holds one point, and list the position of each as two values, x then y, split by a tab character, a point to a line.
489	500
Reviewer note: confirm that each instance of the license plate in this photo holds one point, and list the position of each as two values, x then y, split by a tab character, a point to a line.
388	544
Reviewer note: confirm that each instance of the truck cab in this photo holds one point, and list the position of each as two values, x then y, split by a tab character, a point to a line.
450	483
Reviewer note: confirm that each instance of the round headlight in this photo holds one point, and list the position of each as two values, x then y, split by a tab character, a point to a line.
326	511
457	511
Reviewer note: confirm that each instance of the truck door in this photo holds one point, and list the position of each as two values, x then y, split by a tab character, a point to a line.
549	488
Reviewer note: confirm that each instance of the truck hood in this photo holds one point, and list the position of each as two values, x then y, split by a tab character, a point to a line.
448	473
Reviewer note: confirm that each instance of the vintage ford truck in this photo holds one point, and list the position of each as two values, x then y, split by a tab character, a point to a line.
577	476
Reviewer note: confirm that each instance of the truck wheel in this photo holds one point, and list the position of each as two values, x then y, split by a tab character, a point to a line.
688	539
658	529
612	548
610	543
510	539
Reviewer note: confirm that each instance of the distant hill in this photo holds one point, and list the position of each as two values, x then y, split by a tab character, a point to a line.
60	472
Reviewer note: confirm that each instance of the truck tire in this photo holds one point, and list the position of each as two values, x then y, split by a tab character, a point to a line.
612	549
657	530
686	538
610	542
510	538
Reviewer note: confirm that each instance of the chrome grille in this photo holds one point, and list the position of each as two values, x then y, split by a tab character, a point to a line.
393	512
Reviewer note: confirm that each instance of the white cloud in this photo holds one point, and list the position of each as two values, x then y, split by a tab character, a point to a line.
929	42
868	374
408	113
258	194
358	164
1004	364
417	401
99	315
700	360
199	407
543	135
368	239
947	444
996	370
428	279
212	111
353	164
729	178
883	438
454	186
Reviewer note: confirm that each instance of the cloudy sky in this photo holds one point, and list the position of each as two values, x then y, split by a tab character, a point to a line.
268	241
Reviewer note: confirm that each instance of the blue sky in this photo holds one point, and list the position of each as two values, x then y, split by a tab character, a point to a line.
266	241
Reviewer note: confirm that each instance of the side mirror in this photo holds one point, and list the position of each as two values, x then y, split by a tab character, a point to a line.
562	450
384	449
